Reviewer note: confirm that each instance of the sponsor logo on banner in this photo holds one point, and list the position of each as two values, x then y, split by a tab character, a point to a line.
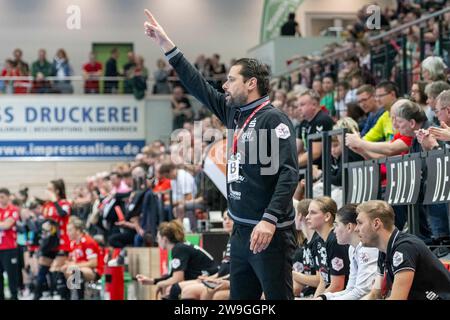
71	127
403	181
438	179
363	182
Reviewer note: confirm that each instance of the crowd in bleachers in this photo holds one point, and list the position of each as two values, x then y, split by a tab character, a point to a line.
54	75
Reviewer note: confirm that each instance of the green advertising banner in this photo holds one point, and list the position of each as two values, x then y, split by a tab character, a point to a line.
275	14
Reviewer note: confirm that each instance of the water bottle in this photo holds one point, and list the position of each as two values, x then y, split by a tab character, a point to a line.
186	225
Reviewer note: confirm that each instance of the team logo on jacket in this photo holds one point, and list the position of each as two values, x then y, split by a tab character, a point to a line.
176	263
397	259
298	267
252	123
363	257
282	131
337	263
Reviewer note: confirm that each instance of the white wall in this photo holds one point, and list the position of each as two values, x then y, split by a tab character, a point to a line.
333	8
197	26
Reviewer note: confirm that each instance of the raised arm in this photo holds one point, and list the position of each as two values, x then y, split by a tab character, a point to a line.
191	78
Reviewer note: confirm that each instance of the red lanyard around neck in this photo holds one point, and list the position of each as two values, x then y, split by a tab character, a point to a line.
238	135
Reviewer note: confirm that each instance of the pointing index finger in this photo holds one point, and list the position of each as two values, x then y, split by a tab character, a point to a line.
150	17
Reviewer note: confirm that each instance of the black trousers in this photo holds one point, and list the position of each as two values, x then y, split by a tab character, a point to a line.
9	263
269	271
122	239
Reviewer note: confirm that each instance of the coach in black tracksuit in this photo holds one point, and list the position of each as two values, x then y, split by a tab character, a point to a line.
262	171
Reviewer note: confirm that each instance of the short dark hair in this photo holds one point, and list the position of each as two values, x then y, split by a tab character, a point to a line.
389	86
347	214
343	84
353	59
5	191
253	68
166	167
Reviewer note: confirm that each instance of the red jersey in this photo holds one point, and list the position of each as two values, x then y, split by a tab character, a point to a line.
50	212
85	249
91	68
8	238
383	170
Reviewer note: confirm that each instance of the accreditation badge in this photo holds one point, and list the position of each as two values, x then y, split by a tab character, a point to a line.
233	169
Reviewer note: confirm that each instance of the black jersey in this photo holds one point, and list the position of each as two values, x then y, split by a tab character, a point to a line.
267	179
332	259
407	252
224	268
320	123
193	260
303	261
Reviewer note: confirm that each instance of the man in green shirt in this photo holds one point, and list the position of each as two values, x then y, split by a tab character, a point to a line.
386	94
328	98
40	70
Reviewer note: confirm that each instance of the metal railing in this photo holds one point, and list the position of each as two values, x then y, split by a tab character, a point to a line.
78	82
412	180
384	38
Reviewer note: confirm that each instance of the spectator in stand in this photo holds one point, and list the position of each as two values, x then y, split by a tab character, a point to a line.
131	63
290	27
355	83
432	90
111	70
9	70
339	104
181	108
217	71
161	76
40	70
386	94
317	86
62	69
182	183
434	69
357	114
280	98
327	100
363	52
315	120
367	102
419	96
202	65
20	64
139	76
91	72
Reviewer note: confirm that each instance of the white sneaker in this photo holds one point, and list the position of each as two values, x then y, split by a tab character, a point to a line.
57	297
112	263
46	296
26	295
